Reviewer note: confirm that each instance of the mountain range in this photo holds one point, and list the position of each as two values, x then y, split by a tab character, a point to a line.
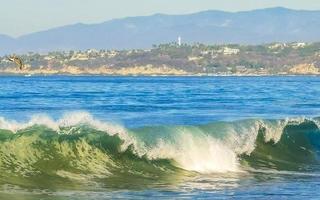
209	27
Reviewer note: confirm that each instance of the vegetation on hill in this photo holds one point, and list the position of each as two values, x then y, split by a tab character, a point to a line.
171	58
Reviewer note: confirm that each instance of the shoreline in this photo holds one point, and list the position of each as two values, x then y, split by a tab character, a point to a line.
156	75
147	70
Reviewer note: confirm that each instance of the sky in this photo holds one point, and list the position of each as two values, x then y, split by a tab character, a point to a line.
19	17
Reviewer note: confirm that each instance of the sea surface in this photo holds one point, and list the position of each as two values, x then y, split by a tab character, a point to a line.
96	137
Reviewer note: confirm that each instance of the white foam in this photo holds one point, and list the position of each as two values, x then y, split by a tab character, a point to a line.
242	139
69	119
274	130
198	153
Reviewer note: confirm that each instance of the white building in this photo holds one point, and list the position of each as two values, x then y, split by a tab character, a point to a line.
298	45
230	51
80	56
112	53
48	57
195	58
277	46
92	51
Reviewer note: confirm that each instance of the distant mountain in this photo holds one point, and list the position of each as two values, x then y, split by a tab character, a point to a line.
6	43
249	27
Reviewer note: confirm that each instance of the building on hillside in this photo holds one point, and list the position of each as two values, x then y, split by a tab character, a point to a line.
298	45
277	46
179	41
80	56
230	51
48	57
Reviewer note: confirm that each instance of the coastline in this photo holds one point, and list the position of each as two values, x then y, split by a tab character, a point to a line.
154	75
146	70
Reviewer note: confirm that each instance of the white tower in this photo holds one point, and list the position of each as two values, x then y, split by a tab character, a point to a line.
179	41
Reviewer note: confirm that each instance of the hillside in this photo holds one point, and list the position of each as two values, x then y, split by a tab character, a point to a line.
175	59
209	27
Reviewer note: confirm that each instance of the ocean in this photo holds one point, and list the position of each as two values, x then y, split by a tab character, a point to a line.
97	137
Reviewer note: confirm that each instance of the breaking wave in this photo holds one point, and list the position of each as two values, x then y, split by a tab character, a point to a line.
78	147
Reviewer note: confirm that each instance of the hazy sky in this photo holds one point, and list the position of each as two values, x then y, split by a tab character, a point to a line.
19	17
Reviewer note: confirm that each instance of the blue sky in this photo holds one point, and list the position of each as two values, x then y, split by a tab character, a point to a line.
18	17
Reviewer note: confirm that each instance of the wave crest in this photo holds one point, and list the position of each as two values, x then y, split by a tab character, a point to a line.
77	143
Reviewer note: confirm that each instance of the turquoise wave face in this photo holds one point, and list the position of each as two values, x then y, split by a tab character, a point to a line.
40	156
78	149
296	150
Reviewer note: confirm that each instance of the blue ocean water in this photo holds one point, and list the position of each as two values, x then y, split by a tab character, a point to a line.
140	101
96	137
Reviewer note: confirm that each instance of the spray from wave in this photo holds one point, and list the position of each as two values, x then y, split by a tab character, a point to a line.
80	148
